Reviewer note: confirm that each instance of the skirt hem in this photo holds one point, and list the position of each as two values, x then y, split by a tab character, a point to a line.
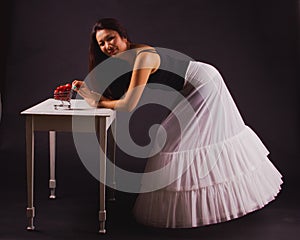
212	204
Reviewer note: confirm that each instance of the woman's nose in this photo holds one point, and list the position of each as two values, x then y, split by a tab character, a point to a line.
108	46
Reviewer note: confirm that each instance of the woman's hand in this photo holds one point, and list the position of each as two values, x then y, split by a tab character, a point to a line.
81	88
76	84
92	98
91	102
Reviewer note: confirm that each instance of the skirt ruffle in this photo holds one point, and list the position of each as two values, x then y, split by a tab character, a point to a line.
239	180
212	204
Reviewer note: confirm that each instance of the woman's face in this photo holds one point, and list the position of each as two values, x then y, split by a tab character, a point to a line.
110	42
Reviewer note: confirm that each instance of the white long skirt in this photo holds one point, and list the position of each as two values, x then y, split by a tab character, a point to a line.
222	167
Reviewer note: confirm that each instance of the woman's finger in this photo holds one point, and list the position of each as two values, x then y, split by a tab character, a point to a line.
76	84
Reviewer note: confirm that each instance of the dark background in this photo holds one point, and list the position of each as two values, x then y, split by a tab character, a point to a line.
255	46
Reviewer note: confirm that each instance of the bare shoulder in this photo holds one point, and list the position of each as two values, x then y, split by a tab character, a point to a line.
140	47
146	59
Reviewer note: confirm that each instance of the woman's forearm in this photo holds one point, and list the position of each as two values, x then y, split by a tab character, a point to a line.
107	104
120	104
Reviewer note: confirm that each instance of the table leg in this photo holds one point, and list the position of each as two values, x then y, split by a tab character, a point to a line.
112	195
52	181
102	136
30	170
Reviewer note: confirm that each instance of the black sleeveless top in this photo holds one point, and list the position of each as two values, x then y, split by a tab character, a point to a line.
171	73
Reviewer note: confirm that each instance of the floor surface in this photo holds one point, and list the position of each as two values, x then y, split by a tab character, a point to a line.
74	213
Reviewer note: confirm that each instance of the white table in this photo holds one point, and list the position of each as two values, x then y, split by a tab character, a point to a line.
44	117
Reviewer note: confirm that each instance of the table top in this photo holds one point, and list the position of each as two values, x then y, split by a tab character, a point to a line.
79	107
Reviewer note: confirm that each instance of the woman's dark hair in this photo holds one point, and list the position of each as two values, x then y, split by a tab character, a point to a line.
95	54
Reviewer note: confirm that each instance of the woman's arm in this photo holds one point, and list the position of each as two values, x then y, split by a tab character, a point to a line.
132	96
144	65
91	97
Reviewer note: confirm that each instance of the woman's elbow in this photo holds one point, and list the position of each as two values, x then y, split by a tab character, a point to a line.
130	107
126	106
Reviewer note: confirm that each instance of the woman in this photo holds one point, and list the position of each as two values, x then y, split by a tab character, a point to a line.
220	166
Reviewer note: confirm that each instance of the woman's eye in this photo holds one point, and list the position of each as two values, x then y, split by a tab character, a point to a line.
110	38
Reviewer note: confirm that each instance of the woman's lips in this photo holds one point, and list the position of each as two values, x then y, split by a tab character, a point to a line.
112	52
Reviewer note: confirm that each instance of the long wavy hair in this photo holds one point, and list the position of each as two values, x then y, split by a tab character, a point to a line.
96	56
